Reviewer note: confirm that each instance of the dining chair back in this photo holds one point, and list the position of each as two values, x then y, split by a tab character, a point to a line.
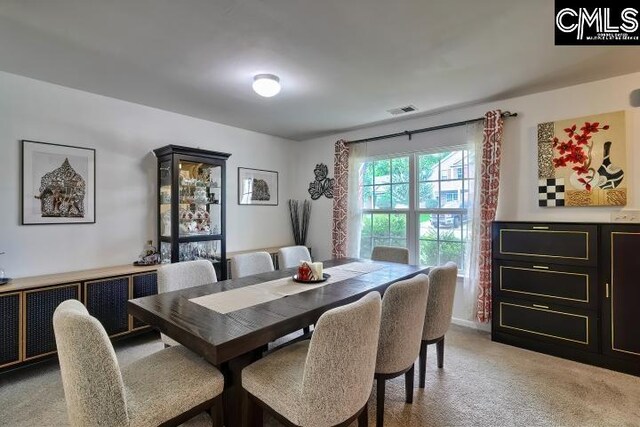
403	307
442	289
249	264
92	395
186	274
347	337
390	254
167	387
291	256
325	381
182	275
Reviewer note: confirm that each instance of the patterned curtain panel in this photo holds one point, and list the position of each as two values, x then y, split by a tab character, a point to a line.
490	182
340	199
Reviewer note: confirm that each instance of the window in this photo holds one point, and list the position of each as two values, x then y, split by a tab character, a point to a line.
418	201
450	196
382	229
385	186
443	221
459	172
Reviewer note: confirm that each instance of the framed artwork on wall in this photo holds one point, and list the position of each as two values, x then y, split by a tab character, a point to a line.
257	187
58	184
583	161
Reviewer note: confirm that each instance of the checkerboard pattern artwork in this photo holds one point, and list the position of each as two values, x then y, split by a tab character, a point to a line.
551	192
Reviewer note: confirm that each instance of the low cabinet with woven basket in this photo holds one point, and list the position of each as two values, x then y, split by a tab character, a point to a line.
39	305
106	300
10	330
27	306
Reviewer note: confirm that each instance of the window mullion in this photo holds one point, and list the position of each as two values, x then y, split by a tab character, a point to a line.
410	216
437	215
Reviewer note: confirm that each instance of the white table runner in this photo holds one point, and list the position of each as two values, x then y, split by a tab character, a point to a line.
248	296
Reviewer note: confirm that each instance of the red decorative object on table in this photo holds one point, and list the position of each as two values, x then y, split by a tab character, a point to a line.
304	272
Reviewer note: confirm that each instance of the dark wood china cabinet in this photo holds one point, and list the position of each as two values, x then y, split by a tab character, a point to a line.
191	205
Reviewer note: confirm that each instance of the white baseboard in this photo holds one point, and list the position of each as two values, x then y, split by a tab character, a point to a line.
471	324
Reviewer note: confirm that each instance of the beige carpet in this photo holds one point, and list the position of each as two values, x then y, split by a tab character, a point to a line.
482	384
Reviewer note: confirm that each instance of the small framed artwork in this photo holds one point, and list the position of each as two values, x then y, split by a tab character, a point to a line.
257	187
58	184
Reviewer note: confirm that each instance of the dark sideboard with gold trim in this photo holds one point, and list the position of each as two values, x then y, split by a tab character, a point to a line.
569	289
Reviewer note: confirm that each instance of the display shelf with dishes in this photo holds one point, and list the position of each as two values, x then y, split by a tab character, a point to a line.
191	214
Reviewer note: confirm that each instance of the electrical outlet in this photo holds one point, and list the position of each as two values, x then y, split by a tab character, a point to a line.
625	216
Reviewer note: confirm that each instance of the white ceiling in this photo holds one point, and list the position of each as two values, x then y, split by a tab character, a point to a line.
342	63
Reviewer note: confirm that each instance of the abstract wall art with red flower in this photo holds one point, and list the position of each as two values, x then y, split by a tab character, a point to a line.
582	161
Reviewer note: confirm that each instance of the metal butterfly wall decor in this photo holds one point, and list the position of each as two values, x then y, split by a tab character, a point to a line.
322	184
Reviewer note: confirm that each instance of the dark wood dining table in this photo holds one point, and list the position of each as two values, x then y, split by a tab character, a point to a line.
233	340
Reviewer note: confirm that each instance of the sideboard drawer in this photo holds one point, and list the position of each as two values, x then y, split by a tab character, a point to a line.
573	244
547	283
568	326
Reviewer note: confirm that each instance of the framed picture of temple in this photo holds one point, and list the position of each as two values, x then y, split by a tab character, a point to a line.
583	161
257	187
58	184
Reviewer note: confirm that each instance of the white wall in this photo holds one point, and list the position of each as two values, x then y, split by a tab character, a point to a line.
518	194
123	135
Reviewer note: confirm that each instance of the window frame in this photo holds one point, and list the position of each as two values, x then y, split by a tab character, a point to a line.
462	197
413	211
391	211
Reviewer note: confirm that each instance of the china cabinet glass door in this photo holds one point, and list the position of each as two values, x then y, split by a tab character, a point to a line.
191	205
199	199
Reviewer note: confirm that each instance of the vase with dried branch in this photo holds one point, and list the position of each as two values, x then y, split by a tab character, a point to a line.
300	213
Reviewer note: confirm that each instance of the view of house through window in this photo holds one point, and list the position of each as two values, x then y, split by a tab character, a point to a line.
419	201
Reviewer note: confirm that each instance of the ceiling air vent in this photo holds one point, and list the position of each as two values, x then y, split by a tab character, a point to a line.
403	110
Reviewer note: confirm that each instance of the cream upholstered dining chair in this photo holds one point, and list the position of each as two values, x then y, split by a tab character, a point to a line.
403	307
442	289
182	275
291	256
250	264
325	381
166	388
390	254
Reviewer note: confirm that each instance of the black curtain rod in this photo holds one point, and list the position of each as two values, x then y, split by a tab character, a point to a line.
409	133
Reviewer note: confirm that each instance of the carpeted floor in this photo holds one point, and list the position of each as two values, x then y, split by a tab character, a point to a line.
482	384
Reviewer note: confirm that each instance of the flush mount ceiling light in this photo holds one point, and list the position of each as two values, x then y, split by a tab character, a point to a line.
266	85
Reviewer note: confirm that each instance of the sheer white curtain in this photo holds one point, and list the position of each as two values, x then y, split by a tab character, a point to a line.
357	156
468	299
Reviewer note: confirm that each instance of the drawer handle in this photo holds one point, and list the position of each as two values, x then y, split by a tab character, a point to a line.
541	306
539	227
607	289
541	267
